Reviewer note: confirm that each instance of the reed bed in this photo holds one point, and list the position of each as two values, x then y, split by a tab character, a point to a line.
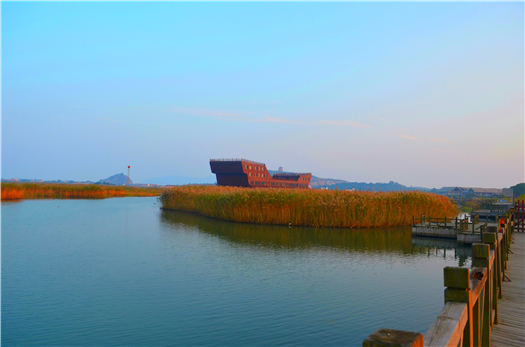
12	191
308	207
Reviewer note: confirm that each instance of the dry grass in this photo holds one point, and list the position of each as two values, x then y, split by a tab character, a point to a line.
319	208
11	191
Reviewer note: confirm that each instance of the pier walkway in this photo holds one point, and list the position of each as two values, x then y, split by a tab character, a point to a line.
510	330
484	304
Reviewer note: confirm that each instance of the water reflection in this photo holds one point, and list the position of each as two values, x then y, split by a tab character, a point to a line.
10	202
392	240
430	245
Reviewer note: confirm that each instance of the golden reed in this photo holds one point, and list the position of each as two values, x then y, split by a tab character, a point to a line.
318	208
12	191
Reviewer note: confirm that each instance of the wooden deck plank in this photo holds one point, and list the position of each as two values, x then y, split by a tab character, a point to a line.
511	308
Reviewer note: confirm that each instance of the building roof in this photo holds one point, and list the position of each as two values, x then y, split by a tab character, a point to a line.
239	159
445	189
486	190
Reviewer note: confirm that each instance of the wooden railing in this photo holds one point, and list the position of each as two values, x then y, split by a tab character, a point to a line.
434	221
461	225
519	216
471	299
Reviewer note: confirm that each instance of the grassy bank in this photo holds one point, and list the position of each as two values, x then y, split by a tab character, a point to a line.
12	191
319	208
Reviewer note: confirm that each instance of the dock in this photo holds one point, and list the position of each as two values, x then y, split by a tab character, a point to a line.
510	330
462	230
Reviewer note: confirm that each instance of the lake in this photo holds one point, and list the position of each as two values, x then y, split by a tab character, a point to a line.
123	272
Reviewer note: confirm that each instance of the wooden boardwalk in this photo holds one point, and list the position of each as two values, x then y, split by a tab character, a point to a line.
510	330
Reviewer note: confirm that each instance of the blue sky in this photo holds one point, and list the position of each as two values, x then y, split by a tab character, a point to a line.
425	94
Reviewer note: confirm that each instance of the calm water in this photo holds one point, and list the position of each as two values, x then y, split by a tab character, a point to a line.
123	272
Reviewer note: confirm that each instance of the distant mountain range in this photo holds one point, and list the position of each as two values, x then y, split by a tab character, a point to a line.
118	179
316	182
379	187
331	183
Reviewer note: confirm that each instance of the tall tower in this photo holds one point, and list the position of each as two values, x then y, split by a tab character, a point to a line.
129	168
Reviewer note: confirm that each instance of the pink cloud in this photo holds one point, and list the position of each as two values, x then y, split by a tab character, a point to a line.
344	123
408	137
438	140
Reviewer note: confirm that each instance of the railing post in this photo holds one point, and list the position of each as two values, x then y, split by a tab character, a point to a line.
504	247
393	338
481	258
457	281
481	229
490	239
499	256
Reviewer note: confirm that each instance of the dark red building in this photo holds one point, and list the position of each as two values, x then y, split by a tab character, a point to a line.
247	173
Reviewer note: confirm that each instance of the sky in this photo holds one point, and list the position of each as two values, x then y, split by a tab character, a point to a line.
424	94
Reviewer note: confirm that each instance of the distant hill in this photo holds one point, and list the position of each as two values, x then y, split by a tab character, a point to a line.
518	189
317	182
118	179
180	180
331	183
379	187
